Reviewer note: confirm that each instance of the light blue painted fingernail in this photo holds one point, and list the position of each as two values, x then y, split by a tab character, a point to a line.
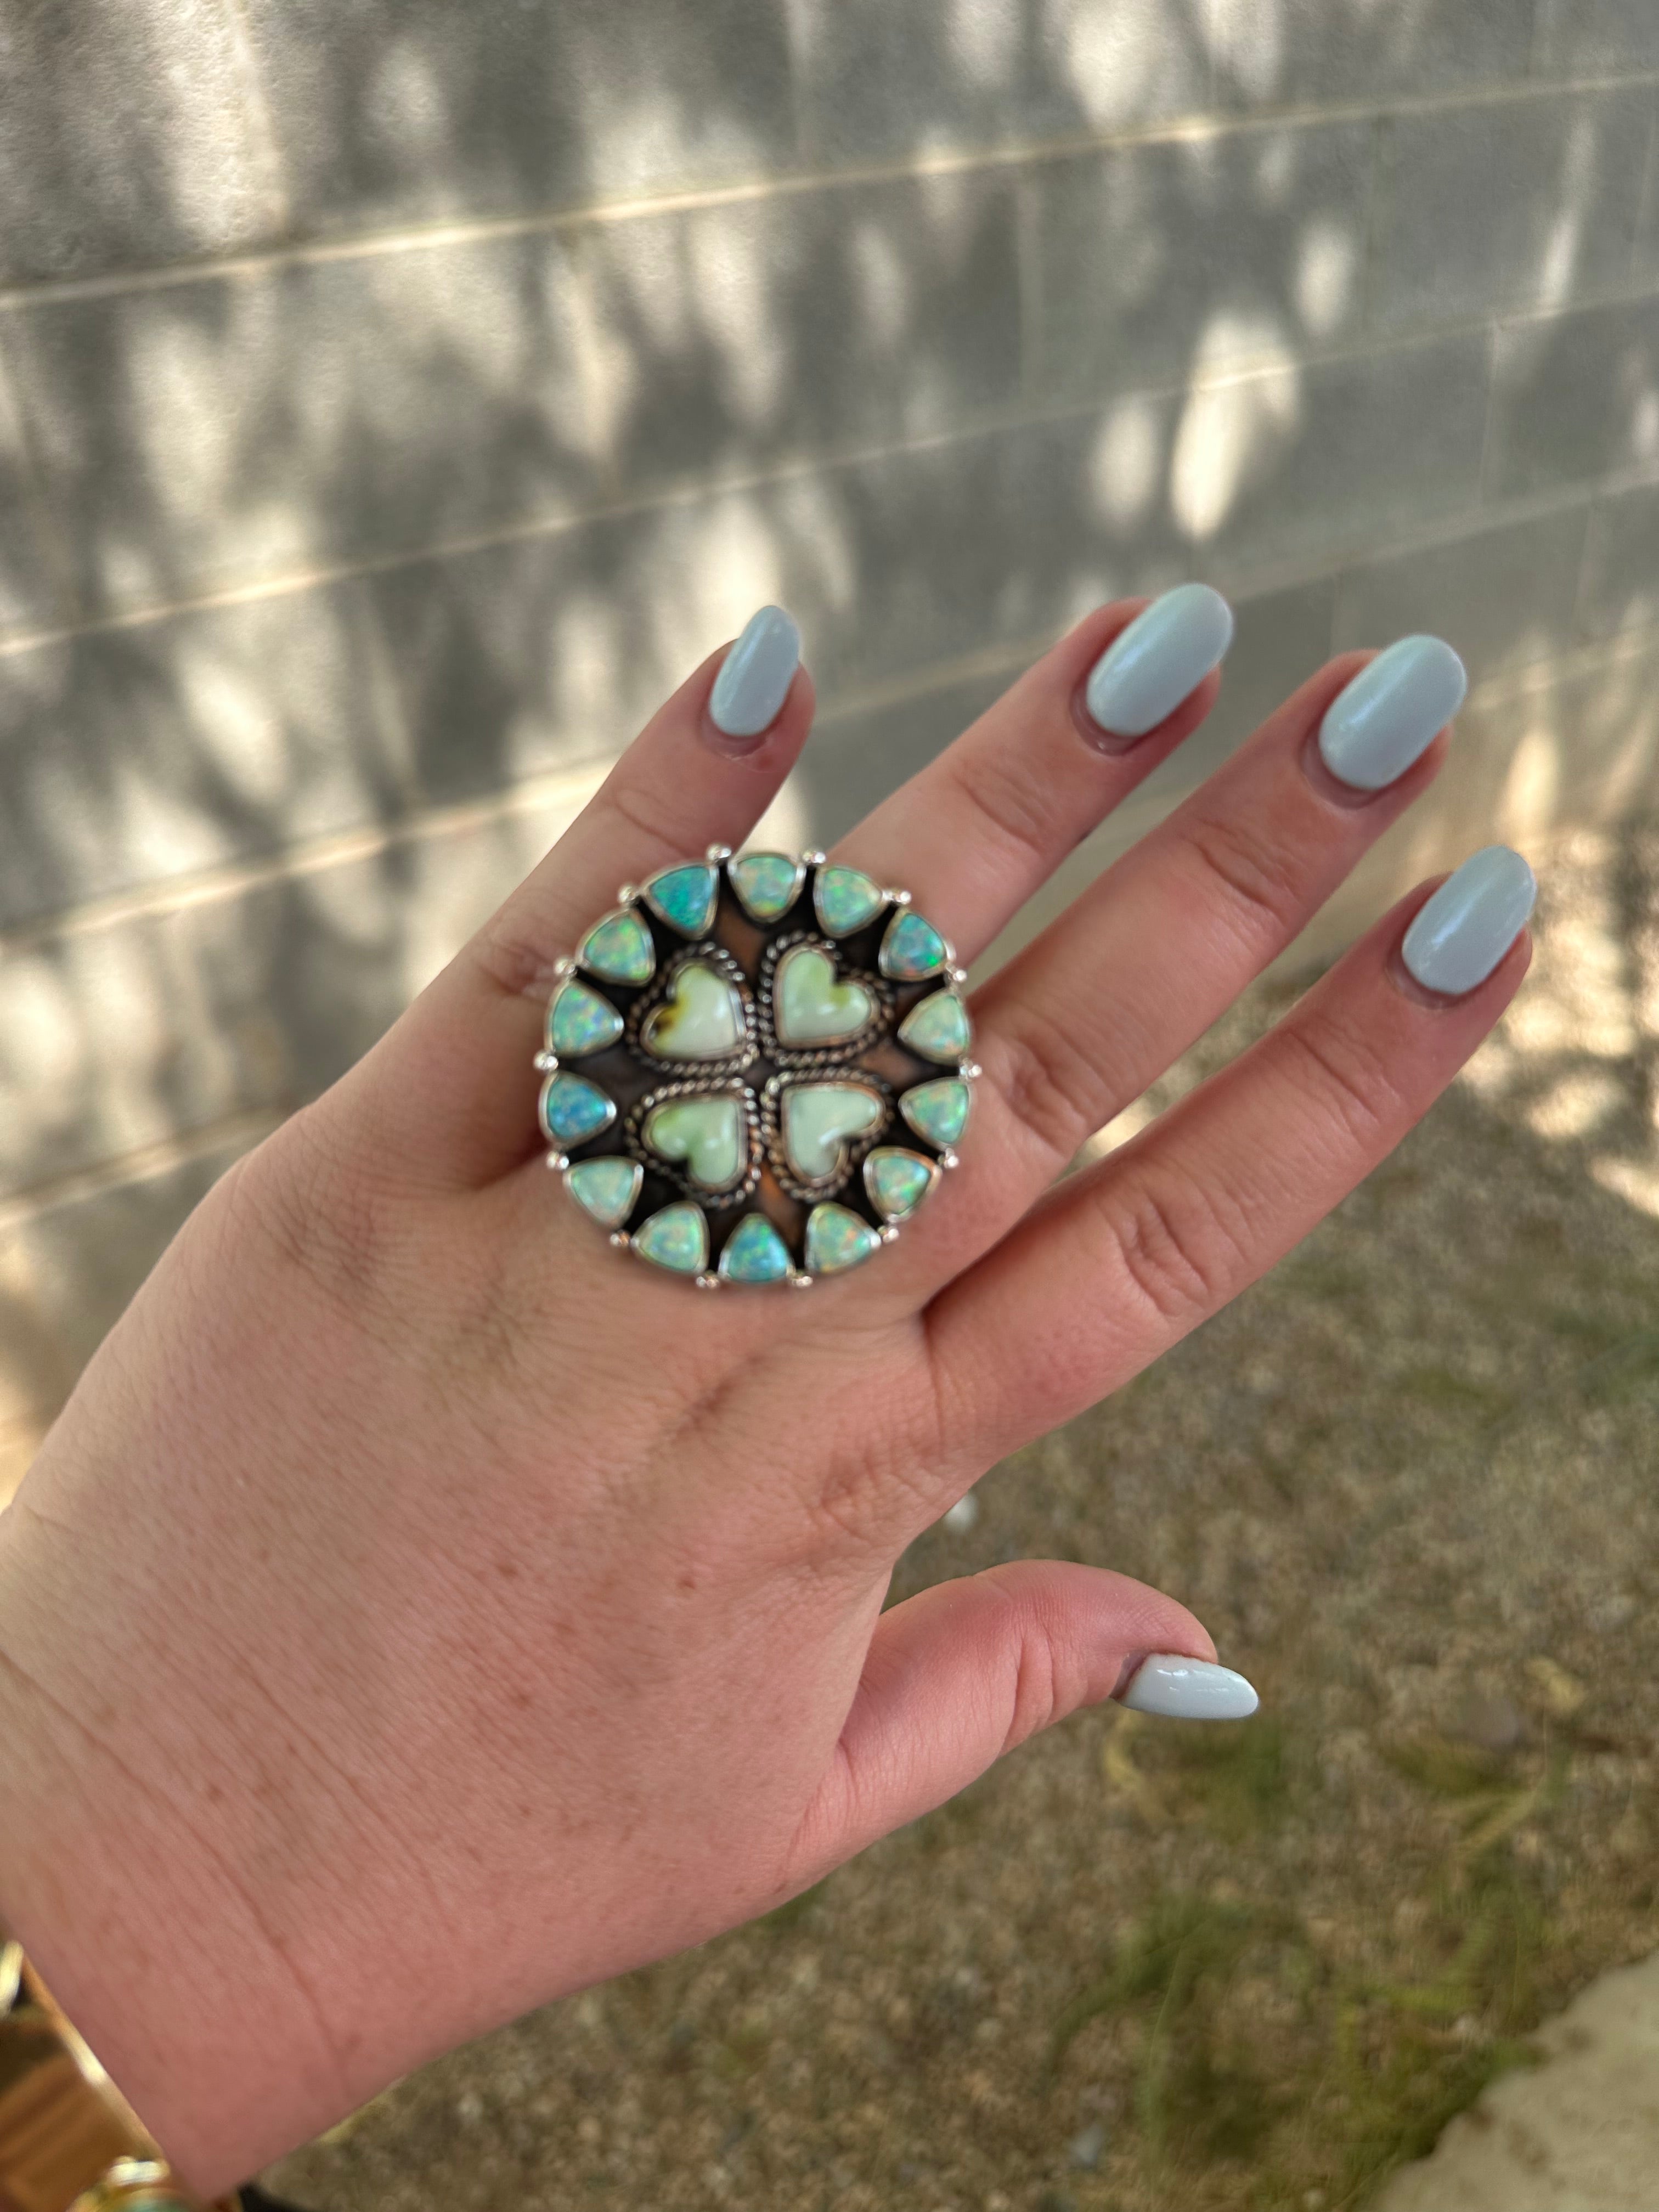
1392	712
1189	1690
1166	652
755	675
1461	934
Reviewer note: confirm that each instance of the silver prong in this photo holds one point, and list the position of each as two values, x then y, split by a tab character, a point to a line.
627	893
813	859
716	854
619	1238
559	1161
706	1282
950	1159
897	898
545	1062
563	966
971	1070
888	1233
801	1282
958	974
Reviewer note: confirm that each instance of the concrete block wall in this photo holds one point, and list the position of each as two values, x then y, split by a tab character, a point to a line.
397	398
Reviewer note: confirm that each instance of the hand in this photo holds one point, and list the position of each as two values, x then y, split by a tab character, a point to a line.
421	1610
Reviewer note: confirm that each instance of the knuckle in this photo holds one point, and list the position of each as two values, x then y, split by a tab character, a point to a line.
1349	1077
1260	881
1047	1079
1011	809
1183	1256
316	1212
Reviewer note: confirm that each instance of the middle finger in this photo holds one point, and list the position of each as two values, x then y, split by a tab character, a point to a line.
1159	947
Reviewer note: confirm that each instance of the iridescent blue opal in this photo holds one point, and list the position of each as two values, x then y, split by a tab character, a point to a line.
938	1110
574	1109
684	897
606	1187
937	1027
677	1238
912	948
619	948
844	899
580	1021
755	1253
767	883
897	1181
836	1239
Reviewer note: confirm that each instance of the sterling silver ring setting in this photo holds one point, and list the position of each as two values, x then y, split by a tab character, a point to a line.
755	1069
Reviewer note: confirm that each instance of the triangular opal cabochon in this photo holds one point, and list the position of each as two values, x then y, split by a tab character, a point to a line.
606	1187
684	897
767	883
619	948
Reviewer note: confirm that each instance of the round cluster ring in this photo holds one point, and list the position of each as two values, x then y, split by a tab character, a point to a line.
756	1068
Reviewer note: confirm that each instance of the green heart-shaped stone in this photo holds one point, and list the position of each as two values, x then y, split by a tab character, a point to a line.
701	1018
820	1120
707	1133
810	1006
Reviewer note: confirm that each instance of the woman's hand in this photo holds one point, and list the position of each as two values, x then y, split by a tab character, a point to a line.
421	1610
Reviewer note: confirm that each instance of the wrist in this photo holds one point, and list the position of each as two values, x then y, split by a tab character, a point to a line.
149	1939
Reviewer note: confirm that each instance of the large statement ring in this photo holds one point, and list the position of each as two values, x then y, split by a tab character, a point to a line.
755	1069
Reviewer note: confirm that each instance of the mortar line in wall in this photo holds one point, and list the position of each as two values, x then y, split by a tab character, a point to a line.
125	1169
828	460
566	791
1165	130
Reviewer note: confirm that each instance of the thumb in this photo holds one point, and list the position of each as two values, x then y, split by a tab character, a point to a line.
964	1671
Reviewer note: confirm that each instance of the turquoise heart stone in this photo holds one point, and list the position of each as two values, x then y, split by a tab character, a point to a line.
838	1239
702	1018
706	1133
684	897
580	1021
820	1120
677	1238
619	948
811	1006
574	1109
755	1253
606	1187
898	1181
938	1110
937	1027
767	883
912	948
844	899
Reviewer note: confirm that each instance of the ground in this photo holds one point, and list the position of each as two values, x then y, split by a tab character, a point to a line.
1408	1483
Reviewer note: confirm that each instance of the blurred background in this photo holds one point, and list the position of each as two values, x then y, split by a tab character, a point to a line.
398	396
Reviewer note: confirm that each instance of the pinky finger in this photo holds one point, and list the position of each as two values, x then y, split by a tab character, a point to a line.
1120	1263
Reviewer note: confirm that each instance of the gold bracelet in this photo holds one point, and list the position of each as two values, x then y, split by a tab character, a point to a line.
69	2140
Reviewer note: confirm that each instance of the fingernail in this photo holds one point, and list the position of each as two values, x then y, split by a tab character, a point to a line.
1166	652
1392	712
1189	1690
755	675
1461	934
